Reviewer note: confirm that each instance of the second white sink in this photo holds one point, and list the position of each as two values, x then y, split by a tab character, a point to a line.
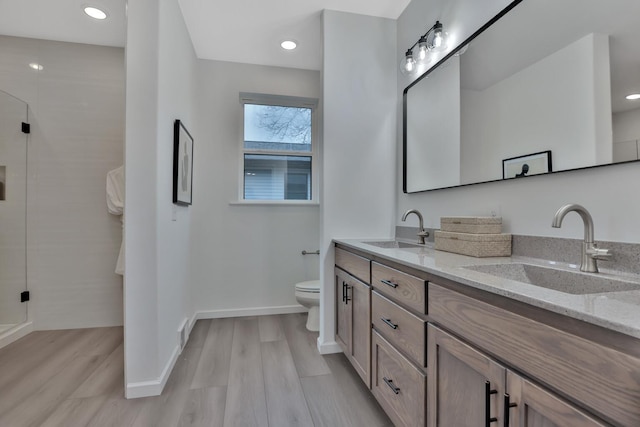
559	280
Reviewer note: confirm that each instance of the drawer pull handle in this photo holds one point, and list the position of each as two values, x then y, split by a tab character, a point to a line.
343	294
388	322
507	407
487	404
389	382
389	283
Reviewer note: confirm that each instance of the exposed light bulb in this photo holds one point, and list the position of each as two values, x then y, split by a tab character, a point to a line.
36	66
423	50
633	96
437	39
408	65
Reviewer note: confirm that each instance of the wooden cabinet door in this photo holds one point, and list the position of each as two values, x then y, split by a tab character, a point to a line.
537	407
465	387
360	302
343	312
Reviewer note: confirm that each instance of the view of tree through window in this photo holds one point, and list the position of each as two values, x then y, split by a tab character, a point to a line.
275	141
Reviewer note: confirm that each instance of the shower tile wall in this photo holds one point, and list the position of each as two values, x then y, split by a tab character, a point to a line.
77	118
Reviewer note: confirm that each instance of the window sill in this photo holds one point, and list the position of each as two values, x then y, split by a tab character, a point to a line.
274	203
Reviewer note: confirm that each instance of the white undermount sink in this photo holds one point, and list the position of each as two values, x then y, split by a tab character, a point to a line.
570	282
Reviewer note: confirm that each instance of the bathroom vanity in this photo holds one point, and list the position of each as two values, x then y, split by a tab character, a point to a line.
448	340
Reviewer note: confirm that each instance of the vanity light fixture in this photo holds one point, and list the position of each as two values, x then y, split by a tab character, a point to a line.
288	45
434	40
95	13
633	96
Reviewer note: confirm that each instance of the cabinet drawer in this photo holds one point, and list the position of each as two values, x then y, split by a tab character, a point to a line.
404	330
600	378
399	387
354	264
408	290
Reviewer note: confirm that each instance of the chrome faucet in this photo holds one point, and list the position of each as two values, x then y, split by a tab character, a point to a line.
590	252
422	233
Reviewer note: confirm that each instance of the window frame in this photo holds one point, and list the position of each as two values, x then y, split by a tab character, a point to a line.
280	101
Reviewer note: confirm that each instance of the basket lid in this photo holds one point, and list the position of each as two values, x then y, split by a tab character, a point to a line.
471	220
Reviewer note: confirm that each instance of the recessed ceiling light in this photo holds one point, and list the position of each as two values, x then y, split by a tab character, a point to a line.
36	66
95	13
633	96
288	45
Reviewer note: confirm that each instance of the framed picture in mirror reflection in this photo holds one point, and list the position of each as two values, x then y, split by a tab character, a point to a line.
527	165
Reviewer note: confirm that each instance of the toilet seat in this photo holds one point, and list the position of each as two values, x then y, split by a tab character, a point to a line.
310	286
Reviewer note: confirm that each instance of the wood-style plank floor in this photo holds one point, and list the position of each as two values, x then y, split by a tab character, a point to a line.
250	371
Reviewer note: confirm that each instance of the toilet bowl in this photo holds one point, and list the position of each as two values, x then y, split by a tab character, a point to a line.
308	295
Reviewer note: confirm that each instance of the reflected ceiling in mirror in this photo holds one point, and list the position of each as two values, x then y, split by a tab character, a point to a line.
543	75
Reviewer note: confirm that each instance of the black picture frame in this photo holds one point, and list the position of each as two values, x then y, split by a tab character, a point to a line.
182	165
527	165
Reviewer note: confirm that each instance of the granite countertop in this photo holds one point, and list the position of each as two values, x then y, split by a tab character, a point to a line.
618	310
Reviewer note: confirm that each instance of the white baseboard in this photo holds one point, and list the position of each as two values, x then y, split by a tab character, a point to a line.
192	321
251	311
153	387
329	347
15	333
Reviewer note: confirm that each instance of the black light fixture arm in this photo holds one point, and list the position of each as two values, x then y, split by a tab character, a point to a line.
423	38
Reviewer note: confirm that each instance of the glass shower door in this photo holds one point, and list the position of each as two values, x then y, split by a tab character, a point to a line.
13	211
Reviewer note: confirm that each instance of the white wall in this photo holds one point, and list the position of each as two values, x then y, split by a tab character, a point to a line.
518	109
360	100
614	212
245	258
626	135
626	125
160	88
77	120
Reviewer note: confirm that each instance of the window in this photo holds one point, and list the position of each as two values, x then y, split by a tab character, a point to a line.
278	148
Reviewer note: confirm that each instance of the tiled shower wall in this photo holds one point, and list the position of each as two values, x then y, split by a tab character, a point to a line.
77	120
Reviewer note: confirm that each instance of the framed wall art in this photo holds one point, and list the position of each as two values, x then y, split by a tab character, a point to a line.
182	165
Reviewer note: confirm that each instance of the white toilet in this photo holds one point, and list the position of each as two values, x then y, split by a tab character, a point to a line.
308	295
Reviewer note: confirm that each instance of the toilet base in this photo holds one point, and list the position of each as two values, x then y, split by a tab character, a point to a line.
313	319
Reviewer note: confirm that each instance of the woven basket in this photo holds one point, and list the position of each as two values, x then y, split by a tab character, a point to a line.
471	224
475	245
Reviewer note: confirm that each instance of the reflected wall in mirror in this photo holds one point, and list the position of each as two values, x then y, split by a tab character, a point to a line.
549	75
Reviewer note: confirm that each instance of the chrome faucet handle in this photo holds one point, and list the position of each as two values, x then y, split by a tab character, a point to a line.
596	253
422	235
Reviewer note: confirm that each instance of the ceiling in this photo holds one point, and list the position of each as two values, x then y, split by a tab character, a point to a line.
248	31
64	20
